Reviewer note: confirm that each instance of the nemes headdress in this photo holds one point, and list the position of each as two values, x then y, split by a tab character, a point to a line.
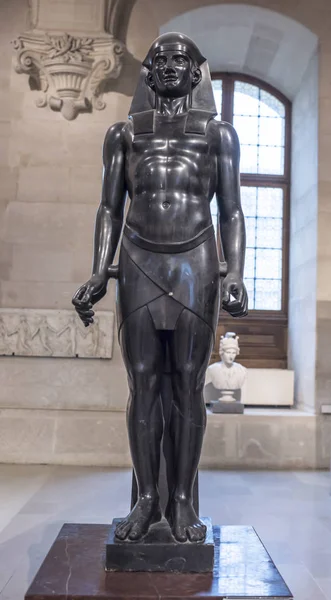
177	42
229	340
202	94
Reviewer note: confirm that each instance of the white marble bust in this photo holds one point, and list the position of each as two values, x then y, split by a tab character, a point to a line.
227	376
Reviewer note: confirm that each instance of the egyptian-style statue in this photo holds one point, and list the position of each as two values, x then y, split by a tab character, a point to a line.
171	157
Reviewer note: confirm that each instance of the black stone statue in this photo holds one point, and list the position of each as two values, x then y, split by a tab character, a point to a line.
171	157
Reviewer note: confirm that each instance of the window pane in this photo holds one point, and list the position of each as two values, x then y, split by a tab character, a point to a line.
249	264
263	210
271	106
217	89
247	129
271	160
269	202
249	196
269	233
268	264
248	160
246	99
268	295
250	291
250	232
271	131
259	119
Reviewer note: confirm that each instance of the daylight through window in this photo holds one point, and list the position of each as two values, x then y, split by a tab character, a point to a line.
260	116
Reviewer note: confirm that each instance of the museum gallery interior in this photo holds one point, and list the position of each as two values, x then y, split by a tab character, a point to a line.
165	299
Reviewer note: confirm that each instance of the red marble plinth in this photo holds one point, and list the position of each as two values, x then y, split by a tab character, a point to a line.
74	569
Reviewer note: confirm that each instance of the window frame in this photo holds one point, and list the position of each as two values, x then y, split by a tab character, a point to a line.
261	180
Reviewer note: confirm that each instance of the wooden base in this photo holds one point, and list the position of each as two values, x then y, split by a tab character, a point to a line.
74	569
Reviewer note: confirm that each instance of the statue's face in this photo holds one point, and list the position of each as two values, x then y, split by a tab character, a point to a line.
228	356
172	75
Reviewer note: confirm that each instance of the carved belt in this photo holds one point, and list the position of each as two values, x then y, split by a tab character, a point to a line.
173	248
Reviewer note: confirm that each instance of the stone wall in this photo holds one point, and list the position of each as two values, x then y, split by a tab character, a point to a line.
51	172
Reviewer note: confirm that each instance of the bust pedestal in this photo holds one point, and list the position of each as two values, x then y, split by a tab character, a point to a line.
234	407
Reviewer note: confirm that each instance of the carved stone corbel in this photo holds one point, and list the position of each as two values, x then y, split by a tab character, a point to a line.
70	70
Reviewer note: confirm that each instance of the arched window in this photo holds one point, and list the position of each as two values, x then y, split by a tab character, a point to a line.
261	117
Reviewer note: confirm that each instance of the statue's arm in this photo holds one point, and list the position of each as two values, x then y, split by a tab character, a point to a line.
108	223
231	219
110	213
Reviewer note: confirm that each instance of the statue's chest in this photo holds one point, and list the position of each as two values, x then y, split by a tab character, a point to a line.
167	137
167	142
165	154
169	152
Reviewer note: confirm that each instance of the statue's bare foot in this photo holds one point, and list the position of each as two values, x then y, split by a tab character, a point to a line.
184	523
145	512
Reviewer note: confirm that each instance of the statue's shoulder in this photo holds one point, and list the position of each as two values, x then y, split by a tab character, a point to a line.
118	130
224	133
116	137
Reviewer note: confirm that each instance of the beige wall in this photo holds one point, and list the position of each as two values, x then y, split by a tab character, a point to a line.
50	173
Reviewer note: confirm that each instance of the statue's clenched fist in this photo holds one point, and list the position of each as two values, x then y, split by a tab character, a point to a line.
233	285
88	294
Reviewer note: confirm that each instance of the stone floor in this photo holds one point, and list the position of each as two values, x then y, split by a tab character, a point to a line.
291	511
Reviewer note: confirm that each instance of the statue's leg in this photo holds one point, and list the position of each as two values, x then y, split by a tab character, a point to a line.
143	356
190	347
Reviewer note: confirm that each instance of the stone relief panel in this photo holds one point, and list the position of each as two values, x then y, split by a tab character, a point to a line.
57	333
70	53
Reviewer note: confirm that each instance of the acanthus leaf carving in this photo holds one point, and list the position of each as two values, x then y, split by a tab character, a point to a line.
70	71
69	48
